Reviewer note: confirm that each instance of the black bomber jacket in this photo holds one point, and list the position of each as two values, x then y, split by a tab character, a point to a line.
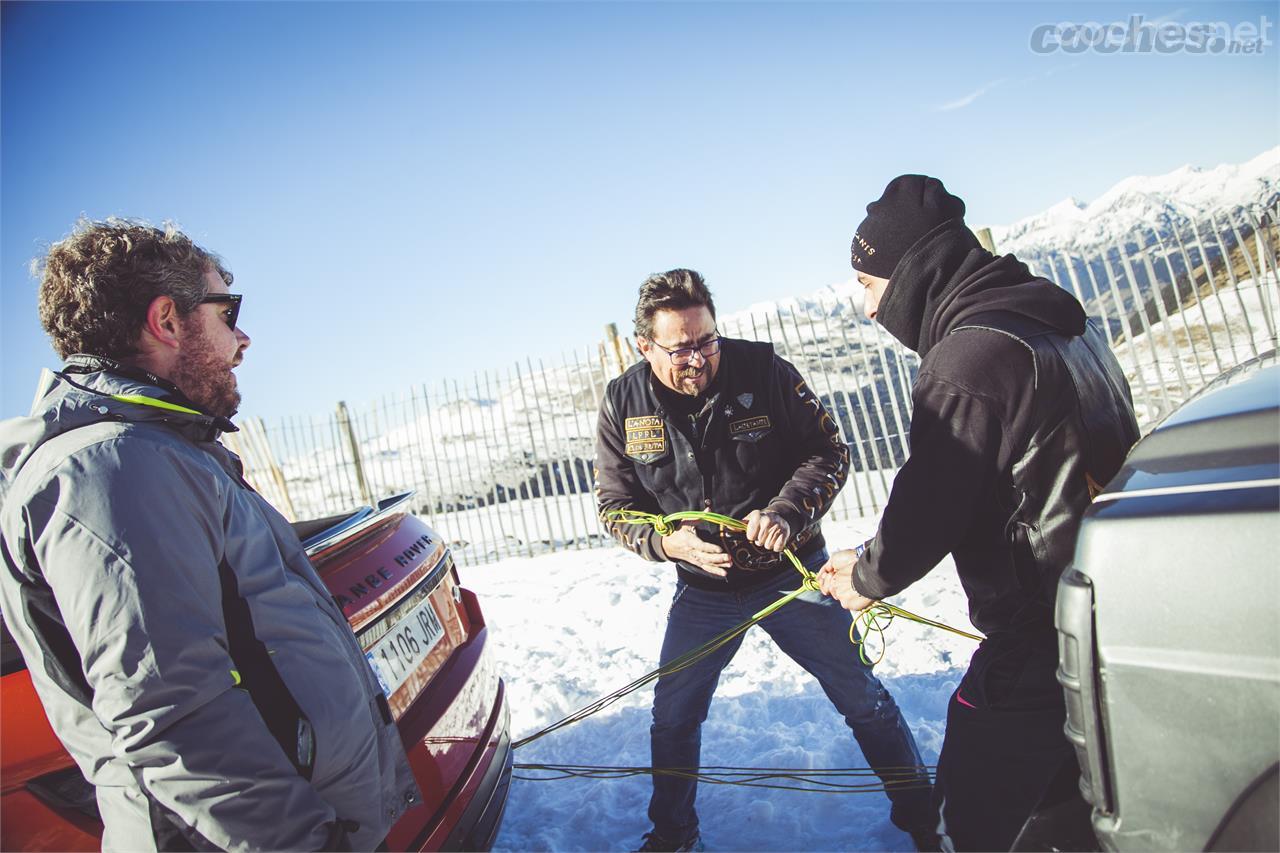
1020	414
763	441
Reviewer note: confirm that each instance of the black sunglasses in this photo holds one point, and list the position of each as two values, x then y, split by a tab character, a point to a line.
233	306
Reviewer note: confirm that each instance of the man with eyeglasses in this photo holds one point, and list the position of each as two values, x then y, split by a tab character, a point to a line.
185	651
725	425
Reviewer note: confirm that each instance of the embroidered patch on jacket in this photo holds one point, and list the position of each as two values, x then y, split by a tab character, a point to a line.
745	399
751	429
646	438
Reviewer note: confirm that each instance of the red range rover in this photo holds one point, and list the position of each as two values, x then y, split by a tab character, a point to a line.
425	638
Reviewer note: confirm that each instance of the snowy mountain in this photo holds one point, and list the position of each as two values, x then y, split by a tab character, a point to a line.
1141	203
1135	214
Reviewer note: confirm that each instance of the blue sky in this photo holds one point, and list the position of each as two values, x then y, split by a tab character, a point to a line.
411	192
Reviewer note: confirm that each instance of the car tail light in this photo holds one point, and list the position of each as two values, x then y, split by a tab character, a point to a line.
1076	674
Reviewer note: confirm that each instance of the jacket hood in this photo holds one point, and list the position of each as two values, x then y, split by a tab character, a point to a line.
947	279
90	390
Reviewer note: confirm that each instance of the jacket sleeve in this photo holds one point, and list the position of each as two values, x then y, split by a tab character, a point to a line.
131	554
618	487
956	437
822	459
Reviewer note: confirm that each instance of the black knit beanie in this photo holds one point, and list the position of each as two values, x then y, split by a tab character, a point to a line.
912	206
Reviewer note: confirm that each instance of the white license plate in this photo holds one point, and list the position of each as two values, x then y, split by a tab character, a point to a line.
396	656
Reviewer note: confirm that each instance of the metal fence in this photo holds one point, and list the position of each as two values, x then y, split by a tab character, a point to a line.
502	462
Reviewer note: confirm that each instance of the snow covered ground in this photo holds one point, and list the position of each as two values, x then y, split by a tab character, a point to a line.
572	626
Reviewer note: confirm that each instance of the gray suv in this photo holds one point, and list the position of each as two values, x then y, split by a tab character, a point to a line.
1169	629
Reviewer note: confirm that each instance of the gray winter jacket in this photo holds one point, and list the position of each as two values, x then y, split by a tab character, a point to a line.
184	648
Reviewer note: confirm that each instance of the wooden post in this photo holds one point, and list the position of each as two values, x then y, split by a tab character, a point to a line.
615	344
984	237
344	426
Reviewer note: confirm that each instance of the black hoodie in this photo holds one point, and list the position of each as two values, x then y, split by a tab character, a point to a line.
947	278
983	400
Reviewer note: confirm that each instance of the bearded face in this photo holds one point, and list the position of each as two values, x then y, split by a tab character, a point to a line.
204	369
682	329
692	380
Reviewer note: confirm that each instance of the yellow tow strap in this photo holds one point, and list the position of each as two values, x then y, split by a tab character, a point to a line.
874	619
665	524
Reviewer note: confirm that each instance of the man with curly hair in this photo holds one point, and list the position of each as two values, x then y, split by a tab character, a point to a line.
186	652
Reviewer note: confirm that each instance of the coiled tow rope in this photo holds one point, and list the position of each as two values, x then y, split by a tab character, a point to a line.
874	620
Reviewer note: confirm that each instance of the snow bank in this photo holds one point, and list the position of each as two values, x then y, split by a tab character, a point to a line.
570	627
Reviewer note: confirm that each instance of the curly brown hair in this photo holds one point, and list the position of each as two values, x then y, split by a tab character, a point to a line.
97	283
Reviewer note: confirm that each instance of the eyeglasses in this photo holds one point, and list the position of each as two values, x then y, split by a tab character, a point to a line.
684	355
232	311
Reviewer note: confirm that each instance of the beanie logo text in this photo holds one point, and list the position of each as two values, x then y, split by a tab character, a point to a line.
860	243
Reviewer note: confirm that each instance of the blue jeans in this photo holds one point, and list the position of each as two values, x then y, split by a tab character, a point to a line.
813	630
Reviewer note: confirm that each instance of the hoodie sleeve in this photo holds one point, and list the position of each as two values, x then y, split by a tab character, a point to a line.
132	555
822	458
956	436
618	487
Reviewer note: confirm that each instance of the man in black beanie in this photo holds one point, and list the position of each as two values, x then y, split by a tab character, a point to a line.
1020	413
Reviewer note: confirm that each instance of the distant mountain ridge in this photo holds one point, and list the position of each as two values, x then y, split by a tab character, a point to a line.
1143	203
1126	216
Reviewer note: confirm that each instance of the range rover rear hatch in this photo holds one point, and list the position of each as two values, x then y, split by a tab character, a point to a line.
393	578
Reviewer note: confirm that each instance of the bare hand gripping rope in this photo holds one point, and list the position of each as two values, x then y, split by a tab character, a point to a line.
874	619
